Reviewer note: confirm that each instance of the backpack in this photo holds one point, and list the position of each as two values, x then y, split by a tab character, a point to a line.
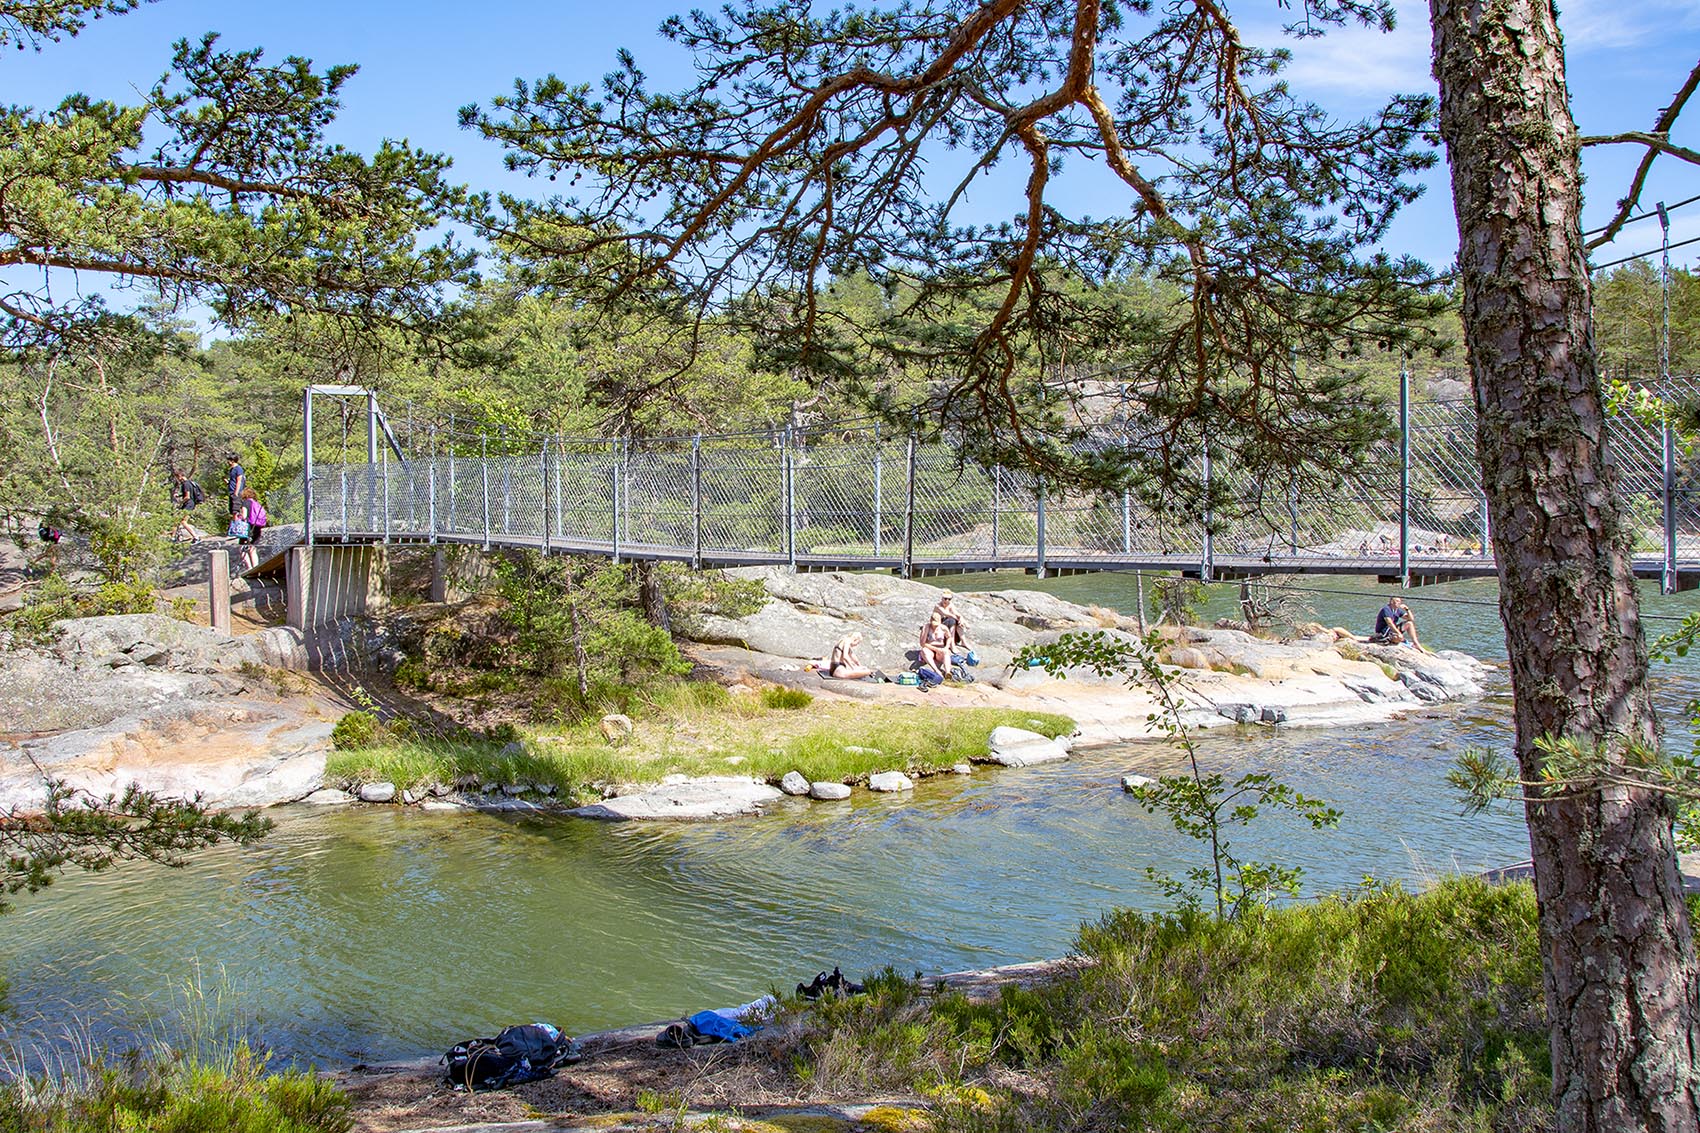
959	672
929	676
196	494
257	514
49	534
522	1053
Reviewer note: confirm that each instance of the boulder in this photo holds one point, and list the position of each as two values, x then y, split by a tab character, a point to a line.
616	728
377	792
712	796
1017	747
962	769
890	781
1135	782
794	783
828	792
328	796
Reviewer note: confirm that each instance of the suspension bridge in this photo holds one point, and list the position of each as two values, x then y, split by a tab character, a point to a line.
854	497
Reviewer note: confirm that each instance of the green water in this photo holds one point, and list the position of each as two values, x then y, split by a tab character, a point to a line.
382	932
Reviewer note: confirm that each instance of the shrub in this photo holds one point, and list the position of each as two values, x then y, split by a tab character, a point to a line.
780	697
357	729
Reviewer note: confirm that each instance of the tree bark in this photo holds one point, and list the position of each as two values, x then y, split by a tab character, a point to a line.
652	595
1621	985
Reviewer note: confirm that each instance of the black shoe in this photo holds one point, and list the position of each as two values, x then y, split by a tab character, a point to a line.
816	988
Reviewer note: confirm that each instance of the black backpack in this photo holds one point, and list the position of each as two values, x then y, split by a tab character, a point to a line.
196	494
522	1053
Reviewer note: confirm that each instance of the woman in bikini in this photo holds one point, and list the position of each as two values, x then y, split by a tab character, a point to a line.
844	664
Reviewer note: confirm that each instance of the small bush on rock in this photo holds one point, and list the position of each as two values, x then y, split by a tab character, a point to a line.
358	729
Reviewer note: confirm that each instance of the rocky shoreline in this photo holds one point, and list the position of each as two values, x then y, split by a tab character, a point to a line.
184	710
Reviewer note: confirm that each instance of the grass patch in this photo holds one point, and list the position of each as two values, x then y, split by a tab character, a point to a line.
700	729
1388	1011
781	697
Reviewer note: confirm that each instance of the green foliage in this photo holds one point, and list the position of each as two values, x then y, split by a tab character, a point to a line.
1387	1010
182	1095
77	829
694	728
1201	804
1176	601
780	697
692	594
54	601
356	730
579	618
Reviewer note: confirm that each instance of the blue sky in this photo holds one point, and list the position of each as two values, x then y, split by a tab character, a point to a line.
420	61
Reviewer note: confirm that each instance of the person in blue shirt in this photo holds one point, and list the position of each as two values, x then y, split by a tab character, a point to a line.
235	480
1395	624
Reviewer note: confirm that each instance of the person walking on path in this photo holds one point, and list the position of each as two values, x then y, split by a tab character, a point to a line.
186	496
236	481
253	512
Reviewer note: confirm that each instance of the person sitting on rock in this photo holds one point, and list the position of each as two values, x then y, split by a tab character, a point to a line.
951	619
844	665
1394	624
935	644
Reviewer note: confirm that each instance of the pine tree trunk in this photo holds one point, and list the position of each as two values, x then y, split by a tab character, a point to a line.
652	596
1621	985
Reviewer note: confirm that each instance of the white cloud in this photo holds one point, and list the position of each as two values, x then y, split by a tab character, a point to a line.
1364	62
1611	25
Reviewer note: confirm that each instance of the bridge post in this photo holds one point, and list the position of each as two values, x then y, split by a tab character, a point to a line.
1404	475
548	502
372	458
431	488
452	527
507	486
1292	519
1039	489
909	514
1482	526
386	486
307	464
879	493
997	506
1668	581
1127	521
1207	549
342	482
696	502
788	477
484	481
560	507
615	478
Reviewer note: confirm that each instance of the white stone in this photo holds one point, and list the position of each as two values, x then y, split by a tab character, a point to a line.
712	796
408	798
1016	747
828	792
962	768
616	728
513	789
328	796
440	804
890	781
1135	782
794	783
377	792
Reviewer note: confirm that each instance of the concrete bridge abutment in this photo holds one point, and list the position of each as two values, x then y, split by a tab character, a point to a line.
325	584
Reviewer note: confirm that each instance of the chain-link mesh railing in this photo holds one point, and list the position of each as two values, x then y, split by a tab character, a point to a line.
857	495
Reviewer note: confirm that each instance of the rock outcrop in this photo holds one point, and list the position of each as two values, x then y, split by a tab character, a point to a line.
142	698
712	796
1223	676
